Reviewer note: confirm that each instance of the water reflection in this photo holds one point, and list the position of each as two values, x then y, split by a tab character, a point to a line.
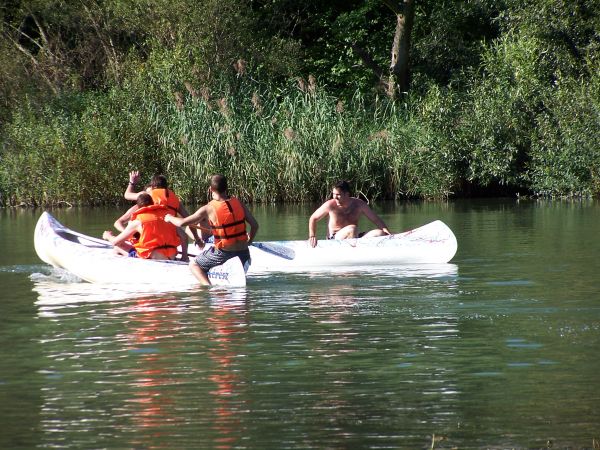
142	366
228	327
439	271
149	339
350	355
58	287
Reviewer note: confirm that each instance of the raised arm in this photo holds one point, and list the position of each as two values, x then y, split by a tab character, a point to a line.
130	193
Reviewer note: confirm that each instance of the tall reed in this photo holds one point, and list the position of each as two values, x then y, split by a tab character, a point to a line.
294	144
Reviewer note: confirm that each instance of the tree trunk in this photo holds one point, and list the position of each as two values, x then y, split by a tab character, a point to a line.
399	65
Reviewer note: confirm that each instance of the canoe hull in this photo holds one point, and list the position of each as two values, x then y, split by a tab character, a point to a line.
94	260
433	243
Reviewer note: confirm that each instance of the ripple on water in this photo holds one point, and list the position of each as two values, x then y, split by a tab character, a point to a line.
522	343
511	283
26	268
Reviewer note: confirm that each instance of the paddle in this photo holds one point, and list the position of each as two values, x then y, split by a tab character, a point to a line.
70	234
276	249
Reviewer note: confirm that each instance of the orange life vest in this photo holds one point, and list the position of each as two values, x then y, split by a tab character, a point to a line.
165	197
156	233
230	226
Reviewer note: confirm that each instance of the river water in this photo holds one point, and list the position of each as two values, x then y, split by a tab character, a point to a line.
499	349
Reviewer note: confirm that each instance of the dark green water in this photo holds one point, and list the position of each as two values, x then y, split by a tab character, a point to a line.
498	350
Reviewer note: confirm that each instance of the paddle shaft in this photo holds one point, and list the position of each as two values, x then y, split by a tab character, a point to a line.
277	250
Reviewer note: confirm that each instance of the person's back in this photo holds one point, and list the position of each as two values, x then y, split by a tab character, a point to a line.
157	239
166	197
161	195
227	220
156	235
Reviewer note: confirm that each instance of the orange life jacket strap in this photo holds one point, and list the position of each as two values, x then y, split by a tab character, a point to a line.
229	225
228	236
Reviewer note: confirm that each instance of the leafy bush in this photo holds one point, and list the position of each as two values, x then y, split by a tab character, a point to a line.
71	153
565	154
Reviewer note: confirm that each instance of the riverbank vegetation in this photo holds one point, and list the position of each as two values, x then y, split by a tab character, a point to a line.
479	97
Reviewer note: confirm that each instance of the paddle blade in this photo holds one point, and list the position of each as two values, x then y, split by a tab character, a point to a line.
276	249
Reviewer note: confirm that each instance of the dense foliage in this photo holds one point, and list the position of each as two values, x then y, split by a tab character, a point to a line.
286	97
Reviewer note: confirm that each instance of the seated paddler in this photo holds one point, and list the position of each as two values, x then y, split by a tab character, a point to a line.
157	238
161	195
344	213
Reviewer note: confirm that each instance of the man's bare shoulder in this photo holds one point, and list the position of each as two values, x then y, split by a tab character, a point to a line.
357	203
329	205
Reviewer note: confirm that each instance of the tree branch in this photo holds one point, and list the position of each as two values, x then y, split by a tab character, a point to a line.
367	60
41	30
397	7
106	42
35	63
22	33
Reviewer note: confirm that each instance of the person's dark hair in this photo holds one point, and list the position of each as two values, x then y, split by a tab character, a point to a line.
158	182
144	199
342	185
218	183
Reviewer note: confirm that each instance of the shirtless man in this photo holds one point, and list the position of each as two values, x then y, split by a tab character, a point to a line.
344	212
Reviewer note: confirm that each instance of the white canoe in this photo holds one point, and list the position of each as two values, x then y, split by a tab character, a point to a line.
433	243
94	260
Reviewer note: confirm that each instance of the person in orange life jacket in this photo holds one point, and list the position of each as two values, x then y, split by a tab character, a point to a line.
158	239
161	195
226	217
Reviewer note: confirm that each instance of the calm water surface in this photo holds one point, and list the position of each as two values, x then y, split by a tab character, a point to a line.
499	349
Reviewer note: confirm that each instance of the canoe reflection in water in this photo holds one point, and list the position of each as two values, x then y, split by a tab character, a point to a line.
161	402
150	340
227	334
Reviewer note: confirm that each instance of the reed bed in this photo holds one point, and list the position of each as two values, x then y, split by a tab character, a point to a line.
292	145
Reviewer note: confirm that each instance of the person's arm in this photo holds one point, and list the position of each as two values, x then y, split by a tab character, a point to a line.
184	213
121	223
252	222
373	217
198	216
131	228
130	193
320	212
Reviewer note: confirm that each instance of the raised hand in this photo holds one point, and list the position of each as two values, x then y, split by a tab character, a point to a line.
134	176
